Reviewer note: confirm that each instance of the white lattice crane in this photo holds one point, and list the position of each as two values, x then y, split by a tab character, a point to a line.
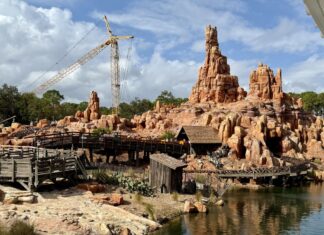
115	71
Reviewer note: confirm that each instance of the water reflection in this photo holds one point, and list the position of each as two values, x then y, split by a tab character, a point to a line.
268	211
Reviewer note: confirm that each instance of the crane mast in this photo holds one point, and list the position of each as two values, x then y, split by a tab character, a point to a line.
114	66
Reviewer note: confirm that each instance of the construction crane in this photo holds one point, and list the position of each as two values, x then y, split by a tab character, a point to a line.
115	70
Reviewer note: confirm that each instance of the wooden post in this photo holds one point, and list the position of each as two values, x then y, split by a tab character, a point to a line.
137	158
91	154
13	169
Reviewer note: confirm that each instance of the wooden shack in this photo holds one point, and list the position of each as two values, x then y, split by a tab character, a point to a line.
200	138
166	173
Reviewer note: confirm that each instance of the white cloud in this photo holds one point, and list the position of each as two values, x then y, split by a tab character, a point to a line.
305	76
183	21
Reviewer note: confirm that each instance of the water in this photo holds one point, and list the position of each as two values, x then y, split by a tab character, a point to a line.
267	211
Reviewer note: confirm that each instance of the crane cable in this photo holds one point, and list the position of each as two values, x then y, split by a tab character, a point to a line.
62	58
125	72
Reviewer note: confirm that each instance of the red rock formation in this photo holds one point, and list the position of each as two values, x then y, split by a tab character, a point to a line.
265	85
215	82
92	112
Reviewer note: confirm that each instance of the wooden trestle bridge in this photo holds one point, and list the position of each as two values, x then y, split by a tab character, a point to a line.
30	166
298	168
111	145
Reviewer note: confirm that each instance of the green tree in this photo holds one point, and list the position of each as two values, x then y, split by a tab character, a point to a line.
166	97
30	107
9	99
135	107
51	103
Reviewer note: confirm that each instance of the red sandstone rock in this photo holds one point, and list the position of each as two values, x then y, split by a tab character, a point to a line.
92	112
214	81
42	123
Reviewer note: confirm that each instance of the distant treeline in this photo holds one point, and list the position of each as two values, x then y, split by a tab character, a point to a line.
28	107
313	102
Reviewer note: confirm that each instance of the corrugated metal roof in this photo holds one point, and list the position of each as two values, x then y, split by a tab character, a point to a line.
316	9
200	134
168	161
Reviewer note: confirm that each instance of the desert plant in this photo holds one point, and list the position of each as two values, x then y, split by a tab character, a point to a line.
101	131
138	198
212	197
198	196
149	208
21	228
167	135
175	196
199	178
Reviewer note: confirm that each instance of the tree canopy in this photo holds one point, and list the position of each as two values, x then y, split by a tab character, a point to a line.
28	107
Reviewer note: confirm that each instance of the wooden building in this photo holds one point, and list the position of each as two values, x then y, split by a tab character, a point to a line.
166	173
200	138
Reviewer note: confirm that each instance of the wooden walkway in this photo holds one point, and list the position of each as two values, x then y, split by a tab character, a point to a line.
108	143
30	166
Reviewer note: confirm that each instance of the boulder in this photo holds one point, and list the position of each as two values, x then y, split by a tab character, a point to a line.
200	207
189	207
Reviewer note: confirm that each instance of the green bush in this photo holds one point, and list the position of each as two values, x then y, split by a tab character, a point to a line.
129	183
175	196
101	131
167	135
198	196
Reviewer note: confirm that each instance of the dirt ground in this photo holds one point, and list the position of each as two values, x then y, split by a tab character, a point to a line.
73	211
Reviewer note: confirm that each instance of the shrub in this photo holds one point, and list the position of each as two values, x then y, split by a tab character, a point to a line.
168	135
175	196
101	131
138	198
198	196
200	178
18	228
149	208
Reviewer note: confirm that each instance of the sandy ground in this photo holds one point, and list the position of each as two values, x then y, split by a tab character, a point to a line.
72	211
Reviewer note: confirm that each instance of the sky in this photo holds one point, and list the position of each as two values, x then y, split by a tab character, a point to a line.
38	38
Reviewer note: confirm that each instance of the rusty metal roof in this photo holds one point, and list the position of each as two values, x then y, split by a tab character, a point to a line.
168	161
200	134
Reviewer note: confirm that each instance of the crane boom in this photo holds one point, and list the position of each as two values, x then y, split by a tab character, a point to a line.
65	72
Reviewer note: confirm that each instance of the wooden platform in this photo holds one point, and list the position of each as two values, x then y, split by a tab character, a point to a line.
289	171
30	166
109	143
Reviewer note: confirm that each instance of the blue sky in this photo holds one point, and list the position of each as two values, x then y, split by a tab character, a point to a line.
168	47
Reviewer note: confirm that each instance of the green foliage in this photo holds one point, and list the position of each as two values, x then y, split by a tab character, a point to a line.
166	97
102	177
198	196
149	208
199	178
19	228
28	107
131	184
167	135
138	198
313	102
101	131
175	196
135	107
9	99
212	197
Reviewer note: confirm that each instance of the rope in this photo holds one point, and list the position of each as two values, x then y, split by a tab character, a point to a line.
61	58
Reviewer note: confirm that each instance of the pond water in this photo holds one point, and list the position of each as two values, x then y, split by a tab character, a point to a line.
296	210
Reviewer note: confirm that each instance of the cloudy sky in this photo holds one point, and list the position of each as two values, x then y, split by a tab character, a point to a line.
40	37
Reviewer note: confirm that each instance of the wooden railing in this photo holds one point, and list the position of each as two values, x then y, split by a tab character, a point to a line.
123	143
30	166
